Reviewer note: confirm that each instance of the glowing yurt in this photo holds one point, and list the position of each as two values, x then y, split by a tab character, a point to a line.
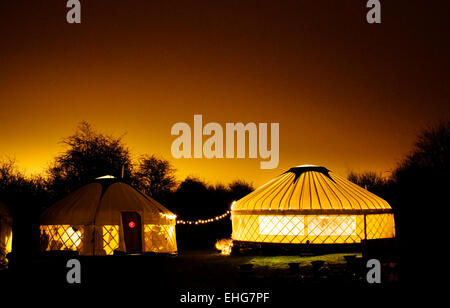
107	216
5	232
311	205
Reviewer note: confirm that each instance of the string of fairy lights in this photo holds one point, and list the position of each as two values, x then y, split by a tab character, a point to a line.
203	221
198	221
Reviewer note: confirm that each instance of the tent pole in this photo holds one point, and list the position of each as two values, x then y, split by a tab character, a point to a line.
365	228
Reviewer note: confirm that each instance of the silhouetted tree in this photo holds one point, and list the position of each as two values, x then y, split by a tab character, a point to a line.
16	188
371	181
191	198
421	178
89	154
239	189
155	177
431	152
24	196
419	194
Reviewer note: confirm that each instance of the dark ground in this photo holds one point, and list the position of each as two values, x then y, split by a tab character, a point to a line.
166	278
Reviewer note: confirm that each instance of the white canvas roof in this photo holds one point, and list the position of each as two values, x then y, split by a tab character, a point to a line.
102	204
309	189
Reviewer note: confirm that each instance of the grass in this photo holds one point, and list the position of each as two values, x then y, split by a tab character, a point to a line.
281	262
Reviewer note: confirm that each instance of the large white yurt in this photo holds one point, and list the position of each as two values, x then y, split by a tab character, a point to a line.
310	204
5	232
107	216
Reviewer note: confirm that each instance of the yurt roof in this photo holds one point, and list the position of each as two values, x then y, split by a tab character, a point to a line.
101	203
310	189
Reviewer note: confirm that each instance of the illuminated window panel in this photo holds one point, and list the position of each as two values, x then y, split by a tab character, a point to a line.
160	238
380	226
110	238
61	237
332	225
8	246
5	240
281	225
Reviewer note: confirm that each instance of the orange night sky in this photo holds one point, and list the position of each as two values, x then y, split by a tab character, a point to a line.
348	95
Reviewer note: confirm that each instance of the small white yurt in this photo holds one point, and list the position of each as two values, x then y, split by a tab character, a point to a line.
311	205
107	216
5	232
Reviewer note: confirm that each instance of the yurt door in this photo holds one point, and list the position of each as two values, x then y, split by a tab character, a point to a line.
132	232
